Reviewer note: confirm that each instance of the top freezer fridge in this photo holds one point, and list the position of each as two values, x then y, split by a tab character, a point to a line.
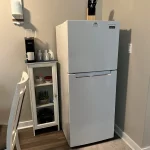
88	54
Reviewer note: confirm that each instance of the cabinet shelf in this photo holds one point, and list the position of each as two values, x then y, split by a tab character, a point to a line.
46	125
43	84
45	105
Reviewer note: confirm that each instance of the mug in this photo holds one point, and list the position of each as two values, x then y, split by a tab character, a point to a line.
30	56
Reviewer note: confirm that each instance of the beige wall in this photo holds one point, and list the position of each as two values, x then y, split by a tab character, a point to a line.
133	69
42	16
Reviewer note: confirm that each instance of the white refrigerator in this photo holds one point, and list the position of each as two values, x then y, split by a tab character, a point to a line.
88	54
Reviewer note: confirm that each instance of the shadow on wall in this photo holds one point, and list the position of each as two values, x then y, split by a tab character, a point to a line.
122	77
27	21
40	45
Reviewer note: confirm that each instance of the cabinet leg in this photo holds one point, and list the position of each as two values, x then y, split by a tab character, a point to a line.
58	127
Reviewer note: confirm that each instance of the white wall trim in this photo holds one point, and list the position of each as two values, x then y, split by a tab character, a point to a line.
127	139
25	124
147	148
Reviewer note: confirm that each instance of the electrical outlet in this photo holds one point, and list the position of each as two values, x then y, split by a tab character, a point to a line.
130	48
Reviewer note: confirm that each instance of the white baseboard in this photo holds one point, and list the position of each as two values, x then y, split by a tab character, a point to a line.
147	148
127	139
25	124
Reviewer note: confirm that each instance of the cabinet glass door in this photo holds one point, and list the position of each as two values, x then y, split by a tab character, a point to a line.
44	96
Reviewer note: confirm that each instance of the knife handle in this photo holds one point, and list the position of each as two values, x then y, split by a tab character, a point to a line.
90	17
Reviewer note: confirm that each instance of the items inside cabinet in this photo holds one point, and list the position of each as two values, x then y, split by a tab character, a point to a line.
45	115
43	76
44	94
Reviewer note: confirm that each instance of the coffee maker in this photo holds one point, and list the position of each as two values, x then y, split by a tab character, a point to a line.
30	48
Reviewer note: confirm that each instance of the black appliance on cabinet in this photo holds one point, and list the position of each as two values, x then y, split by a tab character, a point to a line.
30	49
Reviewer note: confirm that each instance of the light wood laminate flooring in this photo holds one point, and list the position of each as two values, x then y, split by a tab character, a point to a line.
56	141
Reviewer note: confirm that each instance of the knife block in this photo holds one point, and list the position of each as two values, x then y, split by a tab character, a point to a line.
90	17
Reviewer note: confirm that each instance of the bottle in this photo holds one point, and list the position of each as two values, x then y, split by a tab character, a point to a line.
46	56
51	54
39	56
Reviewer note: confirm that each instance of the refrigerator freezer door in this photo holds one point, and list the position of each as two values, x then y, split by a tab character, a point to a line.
92	108
93	46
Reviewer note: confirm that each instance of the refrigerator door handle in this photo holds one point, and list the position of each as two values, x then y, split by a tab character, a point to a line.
93	74
83	75
104	73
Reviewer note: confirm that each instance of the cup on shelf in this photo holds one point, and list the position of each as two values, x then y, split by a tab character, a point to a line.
39	80
48	79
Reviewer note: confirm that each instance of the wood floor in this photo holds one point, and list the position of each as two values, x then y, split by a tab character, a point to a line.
57	141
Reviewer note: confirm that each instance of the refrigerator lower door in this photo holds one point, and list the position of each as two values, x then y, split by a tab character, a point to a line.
92	107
